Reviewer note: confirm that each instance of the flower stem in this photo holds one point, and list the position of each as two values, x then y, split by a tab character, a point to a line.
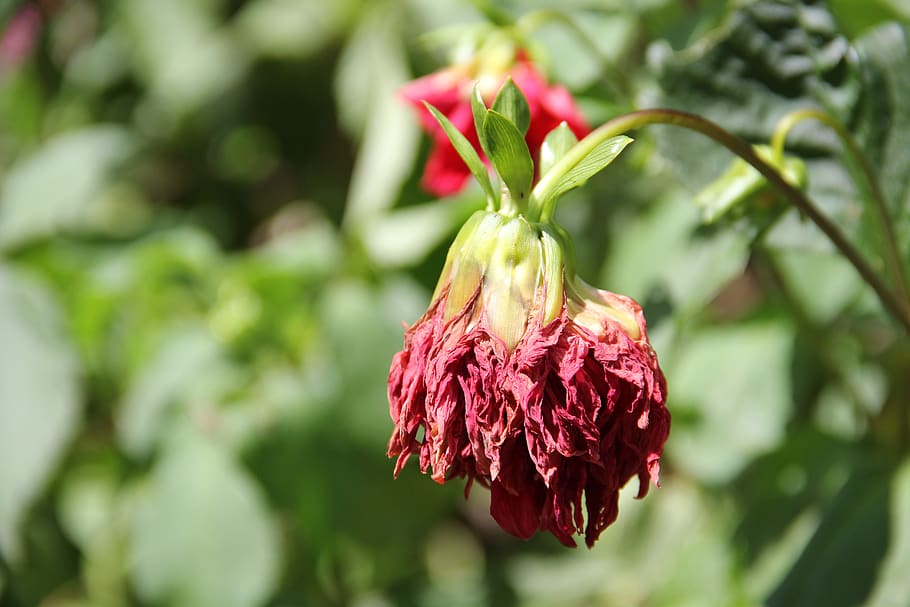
634	120
892	251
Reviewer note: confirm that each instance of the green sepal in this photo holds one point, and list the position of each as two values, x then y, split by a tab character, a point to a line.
557	144
466	151
741	189
509	154
511	103
579	164
479	112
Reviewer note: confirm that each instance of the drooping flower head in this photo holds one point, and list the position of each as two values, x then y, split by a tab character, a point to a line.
520	375
449	90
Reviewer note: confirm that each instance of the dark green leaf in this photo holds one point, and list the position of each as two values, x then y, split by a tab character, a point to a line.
466	151
511	103
509	154
770	57
893	584
840	564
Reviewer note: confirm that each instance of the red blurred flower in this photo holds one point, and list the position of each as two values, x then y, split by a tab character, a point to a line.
530	381
19	38
449	90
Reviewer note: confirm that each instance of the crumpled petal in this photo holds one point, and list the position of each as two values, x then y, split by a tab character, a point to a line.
555	427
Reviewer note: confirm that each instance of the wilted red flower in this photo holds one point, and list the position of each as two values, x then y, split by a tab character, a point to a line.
527	379
449	90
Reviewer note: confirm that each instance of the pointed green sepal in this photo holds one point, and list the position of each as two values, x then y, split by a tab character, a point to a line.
509	154
479	112
557	144
511	103
586	158
466	151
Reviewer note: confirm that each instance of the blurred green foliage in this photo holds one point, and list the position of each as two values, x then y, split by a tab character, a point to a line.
211	233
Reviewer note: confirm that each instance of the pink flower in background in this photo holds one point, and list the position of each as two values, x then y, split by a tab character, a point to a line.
449	90
528	380
20	36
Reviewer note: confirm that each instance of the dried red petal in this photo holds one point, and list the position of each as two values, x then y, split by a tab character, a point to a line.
555	427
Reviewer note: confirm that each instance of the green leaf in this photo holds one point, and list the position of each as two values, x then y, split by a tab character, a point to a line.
186	354
406	236
58	188
588	157
373	66
892	587
884	117
731	392
557	144
40	400
286	29
841	561
201	533
181	55
466	151
770	57
509	154
511	103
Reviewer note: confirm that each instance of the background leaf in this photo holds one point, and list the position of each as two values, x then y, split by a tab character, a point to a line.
201	534
57	189
40	400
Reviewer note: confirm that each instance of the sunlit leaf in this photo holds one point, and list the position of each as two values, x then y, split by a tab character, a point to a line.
373	67
732	386
576	167
557	144
184	59
407	235
202	534
164	381
40	400
57	189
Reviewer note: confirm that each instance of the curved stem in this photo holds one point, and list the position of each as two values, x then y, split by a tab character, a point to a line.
743	149
892	251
